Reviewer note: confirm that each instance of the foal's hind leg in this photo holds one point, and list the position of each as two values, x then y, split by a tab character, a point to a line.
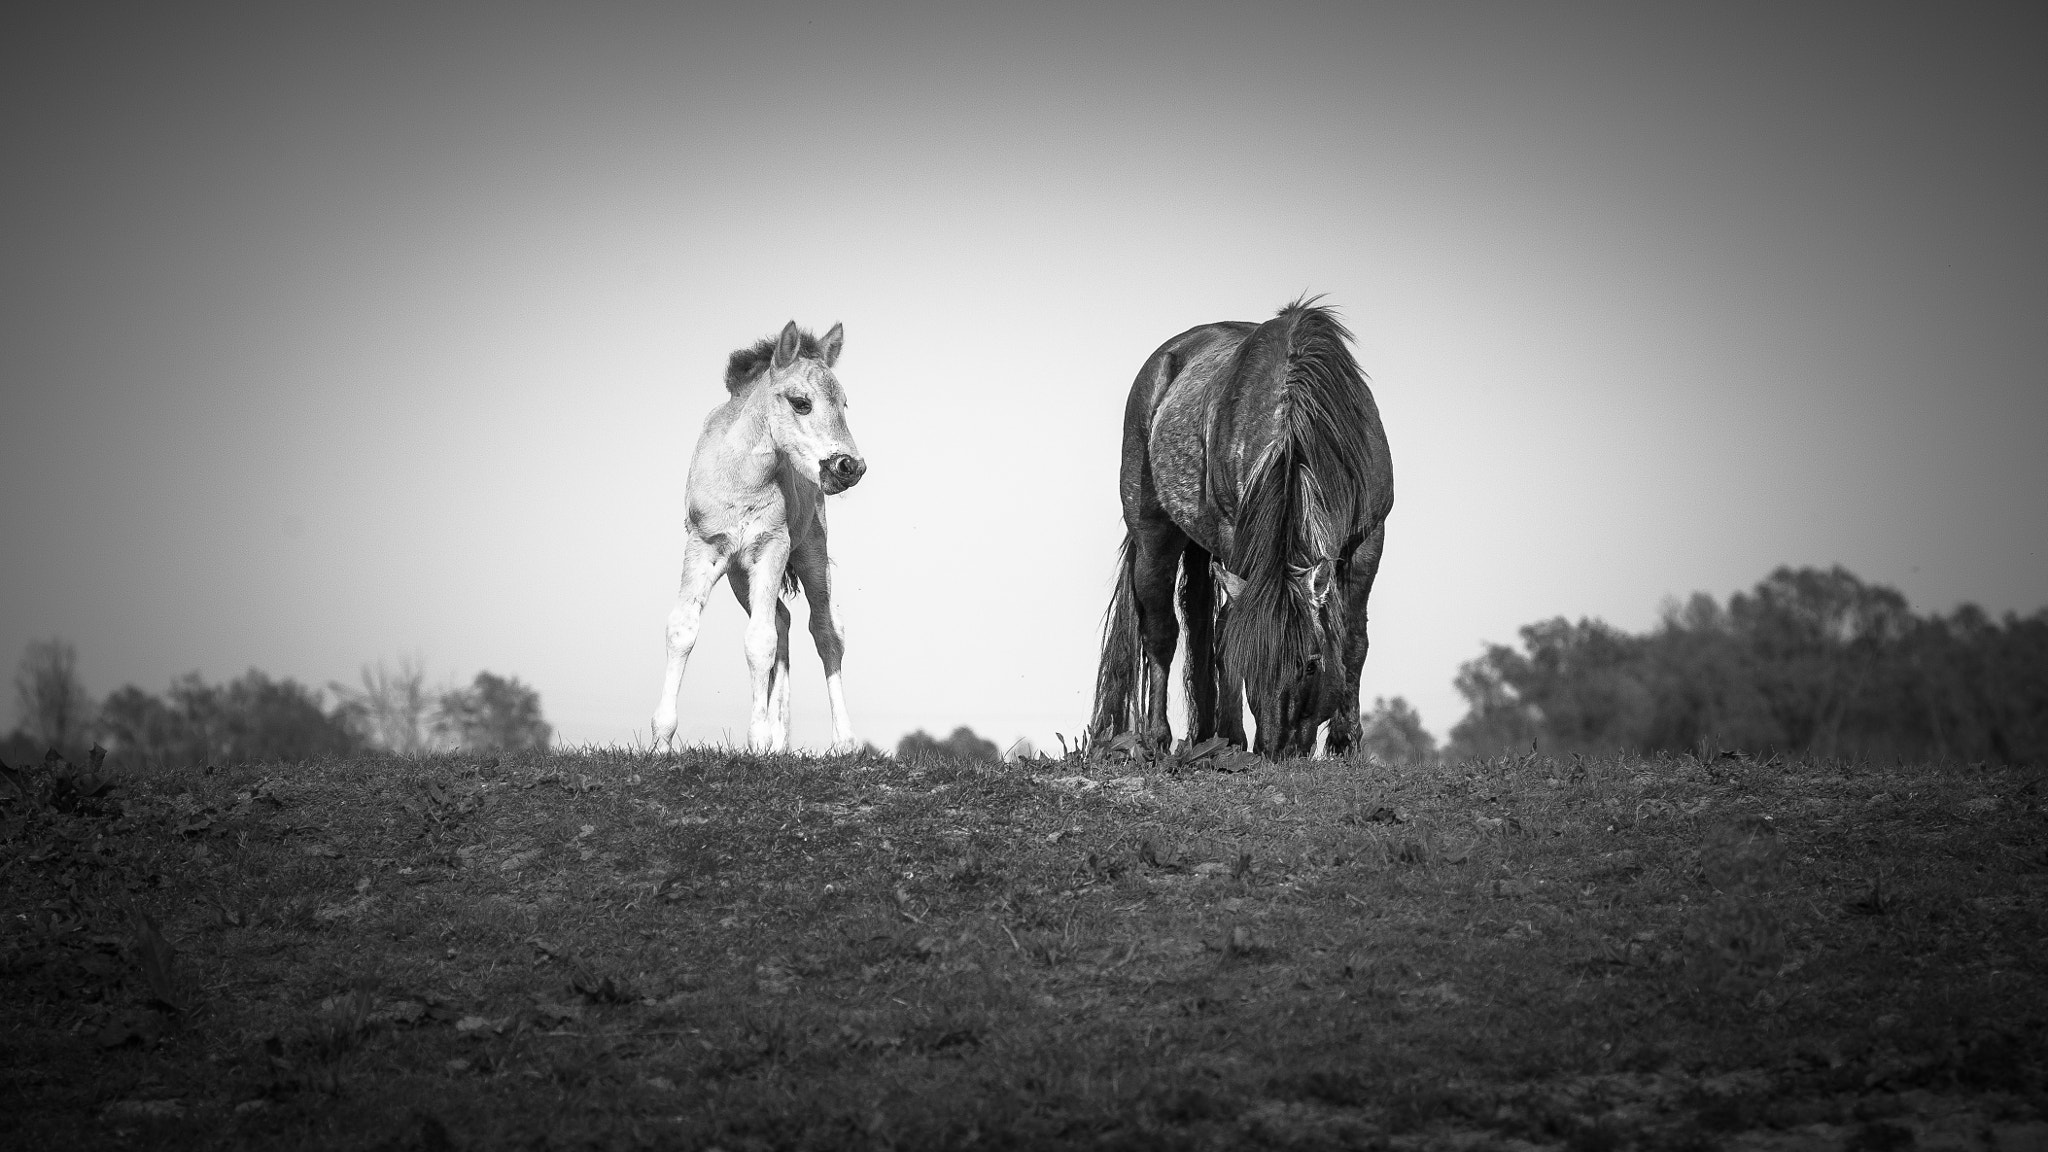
1153	567
778	677
767	645
703	564
828	632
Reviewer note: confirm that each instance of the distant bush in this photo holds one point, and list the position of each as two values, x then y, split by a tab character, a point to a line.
494	714
1392	733
962	747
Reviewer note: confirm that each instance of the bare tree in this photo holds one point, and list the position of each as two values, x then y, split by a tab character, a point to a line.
55	708
393	710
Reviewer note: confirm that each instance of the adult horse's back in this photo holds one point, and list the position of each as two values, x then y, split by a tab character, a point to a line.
1256	471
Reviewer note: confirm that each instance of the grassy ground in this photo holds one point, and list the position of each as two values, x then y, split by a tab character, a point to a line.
717	949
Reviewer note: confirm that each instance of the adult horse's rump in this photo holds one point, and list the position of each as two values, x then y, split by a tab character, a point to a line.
1256	471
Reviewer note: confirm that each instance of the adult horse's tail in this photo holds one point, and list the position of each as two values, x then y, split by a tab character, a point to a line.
1123	678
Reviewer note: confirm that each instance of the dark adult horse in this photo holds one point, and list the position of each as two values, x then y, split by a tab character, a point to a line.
1255	469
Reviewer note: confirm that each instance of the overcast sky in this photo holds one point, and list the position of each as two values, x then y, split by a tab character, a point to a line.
339	333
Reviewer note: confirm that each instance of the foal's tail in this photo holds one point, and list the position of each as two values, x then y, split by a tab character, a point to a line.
1122	679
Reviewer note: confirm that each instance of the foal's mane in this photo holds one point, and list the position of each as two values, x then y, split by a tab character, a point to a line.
745	365
1306	492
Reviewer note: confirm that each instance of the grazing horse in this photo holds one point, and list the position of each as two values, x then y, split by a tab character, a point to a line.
1255	464
764	464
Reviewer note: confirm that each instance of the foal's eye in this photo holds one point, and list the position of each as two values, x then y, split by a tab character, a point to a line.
802	404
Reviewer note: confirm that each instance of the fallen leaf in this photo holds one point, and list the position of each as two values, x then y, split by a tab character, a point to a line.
1235	760
143	1110
143	1026
557	1013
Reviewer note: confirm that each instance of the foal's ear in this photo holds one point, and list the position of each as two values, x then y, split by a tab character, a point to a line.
830	345
786	345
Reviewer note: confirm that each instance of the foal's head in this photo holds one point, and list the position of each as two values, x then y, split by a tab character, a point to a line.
805	409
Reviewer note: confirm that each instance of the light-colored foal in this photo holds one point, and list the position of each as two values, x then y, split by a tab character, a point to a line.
764	464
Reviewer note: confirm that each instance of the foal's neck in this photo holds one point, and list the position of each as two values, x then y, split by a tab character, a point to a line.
760	463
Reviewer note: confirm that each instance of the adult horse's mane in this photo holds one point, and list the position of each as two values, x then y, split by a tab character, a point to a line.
745	365
1304	486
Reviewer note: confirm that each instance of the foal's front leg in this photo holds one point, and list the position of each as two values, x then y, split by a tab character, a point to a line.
703	564
768	650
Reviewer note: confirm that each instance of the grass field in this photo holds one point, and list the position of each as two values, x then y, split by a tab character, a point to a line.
722	950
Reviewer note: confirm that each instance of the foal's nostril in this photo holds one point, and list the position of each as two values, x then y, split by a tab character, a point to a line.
844	469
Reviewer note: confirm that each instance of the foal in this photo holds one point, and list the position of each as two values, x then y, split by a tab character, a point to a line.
767	459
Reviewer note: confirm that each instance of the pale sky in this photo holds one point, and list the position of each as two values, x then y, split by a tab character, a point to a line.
332	334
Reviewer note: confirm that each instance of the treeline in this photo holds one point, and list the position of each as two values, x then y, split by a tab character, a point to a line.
1808	663
255	718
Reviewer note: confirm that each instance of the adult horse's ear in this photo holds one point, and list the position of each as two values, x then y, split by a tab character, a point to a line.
786	345
1319	582
830	345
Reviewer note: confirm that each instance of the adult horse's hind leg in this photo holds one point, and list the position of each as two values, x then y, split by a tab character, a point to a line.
778	677
1229	693
1198	608
1153	567
1359	575
703	564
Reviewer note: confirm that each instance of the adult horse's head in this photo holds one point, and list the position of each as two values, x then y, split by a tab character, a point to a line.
804	407
1284	642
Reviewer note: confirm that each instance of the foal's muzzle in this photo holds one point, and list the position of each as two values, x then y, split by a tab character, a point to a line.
838	473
